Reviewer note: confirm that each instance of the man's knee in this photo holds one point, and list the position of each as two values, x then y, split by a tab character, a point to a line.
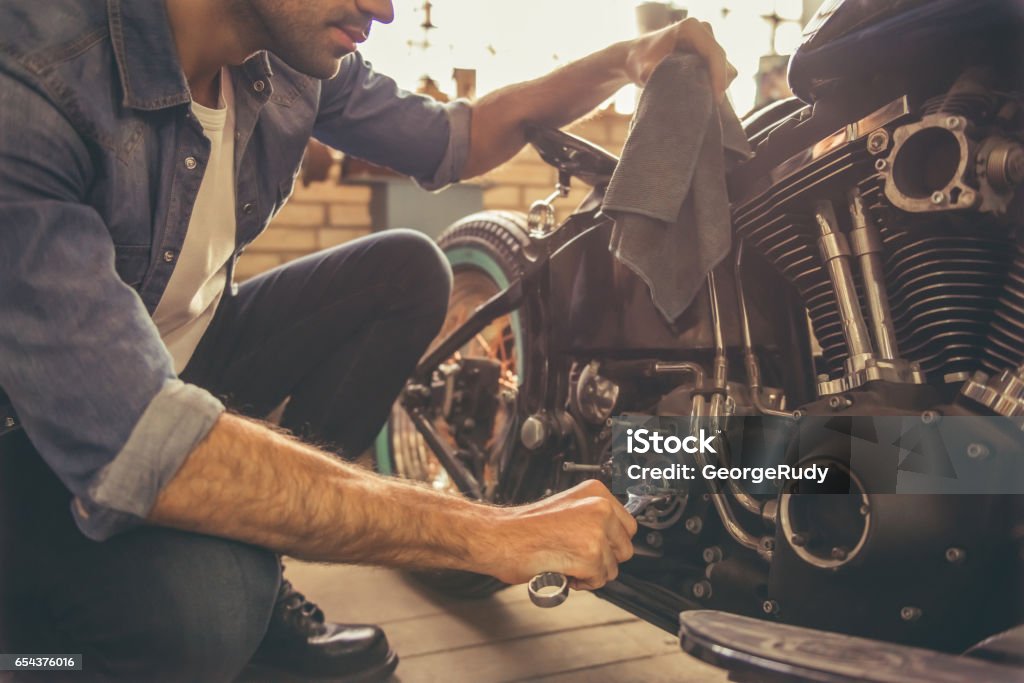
426	271
426	262
188	607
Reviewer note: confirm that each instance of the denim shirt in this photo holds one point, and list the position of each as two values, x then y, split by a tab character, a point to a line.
100	164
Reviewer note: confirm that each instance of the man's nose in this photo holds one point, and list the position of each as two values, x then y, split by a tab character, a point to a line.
382	11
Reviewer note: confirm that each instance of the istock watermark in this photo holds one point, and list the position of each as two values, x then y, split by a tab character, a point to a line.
647	441
820	454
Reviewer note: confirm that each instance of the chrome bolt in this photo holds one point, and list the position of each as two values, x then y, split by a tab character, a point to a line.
930	417
653	539
9	423
797	414
881	165
938	198
839	402
534	432
878	141
768	544
952	122
702	590
978	451
910	613
694	525
770	607
955	555
712	554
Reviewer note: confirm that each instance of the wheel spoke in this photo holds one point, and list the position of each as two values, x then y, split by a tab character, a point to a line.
412	457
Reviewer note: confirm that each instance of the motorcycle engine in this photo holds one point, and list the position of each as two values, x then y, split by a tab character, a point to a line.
929	189
903	232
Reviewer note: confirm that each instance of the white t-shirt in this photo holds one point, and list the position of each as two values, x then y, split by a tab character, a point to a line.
197	283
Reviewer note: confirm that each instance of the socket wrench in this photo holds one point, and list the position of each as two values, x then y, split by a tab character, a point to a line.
550	589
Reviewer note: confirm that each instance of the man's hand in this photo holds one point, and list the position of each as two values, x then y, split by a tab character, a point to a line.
583	533
689	35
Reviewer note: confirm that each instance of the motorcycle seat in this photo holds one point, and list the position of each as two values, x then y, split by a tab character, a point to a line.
572	155
768	650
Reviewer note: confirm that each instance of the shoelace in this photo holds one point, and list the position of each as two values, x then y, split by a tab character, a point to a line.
300	615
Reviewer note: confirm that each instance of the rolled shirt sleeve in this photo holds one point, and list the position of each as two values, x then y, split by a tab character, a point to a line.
80	358
124	491
365	114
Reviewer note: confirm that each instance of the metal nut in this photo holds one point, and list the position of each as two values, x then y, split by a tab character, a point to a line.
938	197
978	451
702	590
878	141
694	524
770	607
881	165
534	432
839	402
712	554
930	417
955	555
910	613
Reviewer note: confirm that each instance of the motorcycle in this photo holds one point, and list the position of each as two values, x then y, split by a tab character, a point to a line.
877	269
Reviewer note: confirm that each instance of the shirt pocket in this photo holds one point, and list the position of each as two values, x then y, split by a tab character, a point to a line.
131	262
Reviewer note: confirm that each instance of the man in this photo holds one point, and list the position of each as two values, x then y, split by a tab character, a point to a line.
143	145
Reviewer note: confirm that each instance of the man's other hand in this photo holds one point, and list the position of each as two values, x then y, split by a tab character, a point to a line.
688	35
583	533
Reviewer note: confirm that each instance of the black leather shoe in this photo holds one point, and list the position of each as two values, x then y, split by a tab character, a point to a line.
301	645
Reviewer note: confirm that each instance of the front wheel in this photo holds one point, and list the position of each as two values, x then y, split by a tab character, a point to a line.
486	254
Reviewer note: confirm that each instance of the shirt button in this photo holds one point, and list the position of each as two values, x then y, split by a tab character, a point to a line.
191	163
248	208
169	256
259	86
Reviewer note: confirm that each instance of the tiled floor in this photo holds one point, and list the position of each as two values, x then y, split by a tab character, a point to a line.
503	638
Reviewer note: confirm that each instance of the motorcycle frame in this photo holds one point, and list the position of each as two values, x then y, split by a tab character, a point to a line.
534	283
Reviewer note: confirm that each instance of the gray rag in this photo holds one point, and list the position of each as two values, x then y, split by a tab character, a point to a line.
668	196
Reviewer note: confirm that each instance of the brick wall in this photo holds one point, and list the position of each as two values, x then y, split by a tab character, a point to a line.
328	213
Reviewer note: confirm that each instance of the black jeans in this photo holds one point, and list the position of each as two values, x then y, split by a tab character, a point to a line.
336	333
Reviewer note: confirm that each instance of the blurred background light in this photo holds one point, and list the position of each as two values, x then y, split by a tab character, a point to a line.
508	42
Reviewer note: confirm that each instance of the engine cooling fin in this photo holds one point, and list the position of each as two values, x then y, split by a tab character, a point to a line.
1005	347
943	274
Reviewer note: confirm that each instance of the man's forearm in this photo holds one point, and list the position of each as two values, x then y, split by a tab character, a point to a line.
554	100
561	97
250	483
247	482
